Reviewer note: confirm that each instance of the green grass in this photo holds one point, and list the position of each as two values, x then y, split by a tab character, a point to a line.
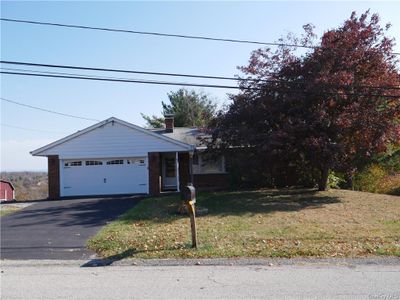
7	211
260	223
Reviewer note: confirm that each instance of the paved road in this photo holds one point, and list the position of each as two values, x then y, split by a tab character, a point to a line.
58	229
67	280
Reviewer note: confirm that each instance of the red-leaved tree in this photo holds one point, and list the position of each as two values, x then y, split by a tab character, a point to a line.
330	108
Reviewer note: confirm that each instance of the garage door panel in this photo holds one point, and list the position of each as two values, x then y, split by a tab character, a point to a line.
84	181
128	177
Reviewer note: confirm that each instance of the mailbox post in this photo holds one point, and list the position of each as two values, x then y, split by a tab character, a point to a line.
189	196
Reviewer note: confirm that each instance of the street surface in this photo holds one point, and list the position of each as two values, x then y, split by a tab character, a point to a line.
69	280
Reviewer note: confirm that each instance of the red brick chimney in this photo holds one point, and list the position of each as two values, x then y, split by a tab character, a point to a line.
169	122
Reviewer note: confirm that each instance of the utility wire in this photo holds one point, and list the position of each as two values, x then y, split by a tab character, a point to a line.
154	33
173	74
63	73
126	71
85	77
30	129
207	38
46	110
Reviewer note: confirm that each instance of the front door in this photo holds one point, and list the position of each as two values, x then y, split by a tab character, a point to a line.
169	172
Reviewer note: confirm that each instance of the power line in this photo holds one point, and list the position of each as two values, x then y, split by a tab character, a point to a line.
63	73
154	33
85	77
46	110
207	38
170	74
125	71
30	129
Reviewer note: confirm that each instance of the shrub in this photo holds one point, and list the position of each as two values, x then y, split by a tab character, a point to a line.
390	159
334	180
376	179
391	185
370	179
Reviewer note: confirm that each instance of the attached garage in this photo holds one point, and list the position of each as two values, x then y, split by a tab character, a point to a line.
126	175
115	157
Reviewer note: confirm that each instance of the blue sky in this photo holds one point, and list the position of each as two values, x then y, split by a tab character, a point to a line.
264	21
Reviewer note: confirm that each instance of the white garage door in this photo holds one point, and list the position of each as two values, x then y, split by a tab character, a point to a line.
127	175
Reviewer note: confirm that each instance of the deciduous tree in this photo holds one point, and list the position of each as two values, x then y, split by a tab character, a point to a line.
330	108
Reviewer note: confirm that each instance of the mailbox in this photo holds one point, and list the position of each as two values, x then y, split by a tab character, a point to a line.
188	193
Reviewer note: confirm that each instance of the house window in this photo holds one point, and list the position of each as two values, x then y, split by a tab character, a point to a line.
115	162
212	165
73	164
135	161
207	165
93	163
170	167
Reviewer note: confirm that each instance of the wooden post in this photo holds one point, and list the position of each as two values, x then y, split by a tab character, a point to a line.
188	195
192	214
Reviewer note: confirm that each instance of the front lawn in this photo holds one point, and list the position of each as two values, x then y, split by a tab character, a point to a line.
259	223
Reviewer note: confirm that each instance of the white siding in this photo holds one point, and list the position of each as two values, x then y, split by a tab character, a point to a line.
112	140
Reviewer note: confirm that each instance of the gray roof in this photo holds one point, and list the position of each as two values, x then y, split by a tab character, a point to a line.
189	135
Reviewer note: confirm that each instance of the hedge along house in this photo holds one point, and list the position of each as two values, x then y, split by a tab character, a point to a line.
114	157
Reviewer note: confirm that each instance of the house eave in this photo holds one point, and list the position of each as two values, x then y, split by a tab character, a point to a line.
39	151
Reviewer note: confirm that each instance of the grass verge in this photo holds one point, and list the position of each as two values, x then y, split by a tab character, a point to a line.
260	223
8	210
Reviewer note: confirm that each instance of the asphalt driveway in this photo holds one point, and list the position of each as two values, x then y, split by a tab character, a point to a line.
58	229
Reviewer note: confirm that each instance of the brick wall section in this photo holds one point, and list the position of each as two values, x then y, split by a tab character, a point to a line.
154	173
211	181
184	171
54	176
169	124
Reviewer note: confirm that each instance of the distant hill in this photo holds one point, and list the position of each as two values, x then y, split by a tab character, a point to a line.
28	185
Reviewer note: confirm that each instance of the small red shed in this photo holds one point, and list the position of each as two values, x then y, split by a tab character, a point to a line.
7	191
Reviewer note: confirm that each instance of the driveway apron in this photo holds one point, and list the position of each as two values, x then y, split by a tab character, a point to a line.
58	229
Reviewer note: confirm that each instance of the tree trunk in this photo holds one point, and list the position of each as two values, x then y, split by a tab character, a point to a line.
323	182
349	179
